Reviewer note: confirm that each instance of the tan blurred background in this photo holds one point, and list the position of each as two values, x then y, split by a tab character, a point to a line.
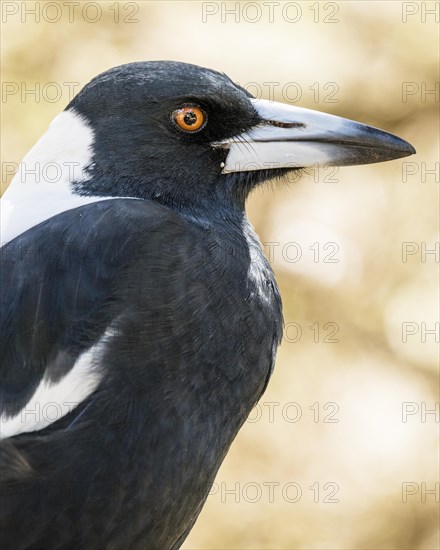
342	452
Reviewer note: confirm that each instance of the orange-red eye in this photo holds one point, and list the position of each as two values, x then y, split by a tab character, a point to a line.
189	119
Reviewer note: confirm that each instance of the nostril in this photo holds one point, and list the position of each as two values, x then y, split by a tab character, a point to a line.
285	124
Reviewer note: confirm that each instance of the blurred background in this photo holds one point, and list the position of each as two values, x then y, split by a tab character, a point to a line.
343	450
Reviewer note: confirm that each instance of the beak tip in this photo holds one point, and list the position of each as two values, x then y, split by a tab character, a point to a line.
393	147
411	150
406	149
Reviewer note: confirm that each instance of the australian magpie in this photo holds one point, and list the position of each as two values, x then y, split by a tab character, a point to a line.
139	317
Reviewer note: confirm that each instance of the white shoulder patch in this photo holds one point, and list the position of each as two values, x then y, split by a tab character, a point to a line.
41	187
52	401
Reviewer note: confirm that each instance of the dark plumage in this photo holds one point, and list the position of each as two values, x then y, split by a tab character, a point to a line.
170	291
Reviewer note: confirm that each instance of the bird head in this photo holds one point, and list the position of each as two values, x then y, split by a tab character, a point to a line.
189	137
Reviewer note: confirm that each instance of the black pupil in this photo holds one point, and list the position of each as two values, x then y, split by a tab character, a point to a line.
190	118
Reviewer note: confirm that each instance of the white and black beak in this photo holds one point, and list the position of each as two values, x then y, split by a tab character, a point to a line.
294	137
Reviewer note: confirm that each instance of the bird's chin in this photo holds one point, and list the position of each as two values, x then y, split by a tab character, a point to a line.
247	181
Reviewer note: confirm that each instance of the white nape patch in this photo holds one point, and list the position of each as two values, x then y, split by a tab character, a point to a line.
52	401
42	186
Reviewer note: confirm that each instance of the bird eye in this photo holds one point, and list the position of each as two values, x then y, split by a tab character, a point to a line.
189	119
